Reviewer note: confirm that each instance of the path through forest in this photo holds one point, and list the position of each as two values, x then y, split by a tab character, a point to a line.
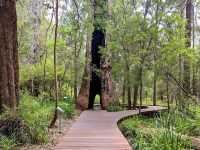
98	130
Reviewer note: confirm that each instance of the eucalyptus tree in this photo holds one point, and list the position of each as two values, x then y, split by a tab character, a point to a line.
55	67
9	70
144	36
35	12
100	68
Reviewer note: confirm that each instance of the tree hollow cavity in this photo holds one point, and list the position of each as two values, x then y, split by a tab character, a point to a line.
98	42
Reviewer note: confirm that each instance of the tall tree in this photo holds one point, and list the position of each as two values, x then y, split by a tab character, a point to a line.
100	80
9	70
55	69
35	11
188	44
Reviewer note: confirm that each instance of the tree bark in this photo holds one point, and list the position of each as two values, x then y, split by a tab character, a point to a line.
100	74
167	90
106	82
128	85
124	91
55	69
188	44
83	96
141	87
9	70
135	98
75	72
154	89
35	7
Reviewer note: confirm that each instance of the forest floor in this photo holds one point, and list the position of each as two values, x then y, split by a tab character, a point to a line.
54	135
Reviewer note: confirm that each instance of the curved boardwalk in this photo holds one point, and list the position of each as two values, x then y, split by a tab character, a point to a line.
98	130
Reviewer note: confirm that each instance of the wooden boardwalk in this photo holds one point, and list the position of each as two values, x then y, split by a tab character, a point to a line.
98	130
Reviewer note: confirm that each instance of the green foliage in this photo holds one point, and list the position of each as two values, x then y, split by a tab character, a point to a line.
6	143
37	116
114	107
193	128
31	123
164	132
68	106
179	122
168	140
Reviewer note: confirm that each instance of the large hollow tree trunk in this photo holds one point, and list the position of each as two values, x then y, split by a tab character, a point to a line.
100	66
9	70
98	40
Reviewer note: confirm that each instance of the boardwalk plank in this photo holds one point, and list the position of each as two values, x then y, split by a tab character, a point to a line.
98	130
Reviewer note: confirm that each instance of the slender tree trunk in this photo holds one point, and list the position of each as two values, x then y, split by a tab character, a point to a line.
188	44
75	72
9	70
135	98
46	51
154	89
128	85
141	88
55	70
129	98
194	69
124	91
167	89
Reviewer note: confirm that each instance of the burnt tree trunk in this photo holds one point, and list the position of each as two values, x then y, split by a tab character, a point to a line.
100	67
9	70
98	40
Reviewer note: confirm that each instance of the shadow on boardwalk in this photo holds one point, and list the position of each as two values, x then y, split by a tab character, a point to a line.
98	130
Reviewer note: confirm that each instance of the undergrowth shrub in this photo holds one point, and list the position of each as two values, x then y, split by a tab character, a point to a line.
161	133
6	143
30	124
179	122
68	106
114	107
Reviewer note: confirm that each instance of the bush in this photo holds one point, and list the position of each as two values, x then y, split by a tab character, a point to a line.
30	124
141	132
6	143
37	116
14	127
114	107
68	106
169	140
179	122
